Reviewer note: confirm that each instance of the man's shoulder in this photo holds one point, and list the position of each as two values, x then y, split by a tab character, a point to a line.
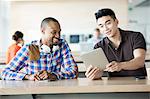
101	43
130	32
63	42
103	40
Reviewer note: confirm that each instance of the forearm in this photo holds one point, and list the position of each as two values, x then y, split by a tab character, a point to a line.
69	74
70	69
10	75
133	64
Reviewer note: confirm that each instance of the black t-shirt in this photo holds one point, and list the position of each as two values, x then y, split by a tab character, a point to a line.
129	42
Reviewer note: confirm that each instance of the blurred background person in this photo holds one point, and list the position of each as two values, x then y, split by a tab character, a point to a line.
97	36
92	40
15	46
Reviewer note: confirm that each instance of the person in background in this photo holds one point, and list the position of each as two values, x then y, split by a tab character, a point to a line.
49	58
97	36
124	49
15	47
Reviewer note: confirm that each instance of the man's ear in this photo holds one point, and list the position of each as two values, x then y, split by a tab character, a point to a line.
43	30
117	21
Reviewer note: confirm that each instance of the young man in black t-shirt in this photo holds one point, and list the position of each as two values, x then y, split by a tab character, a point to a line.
125	50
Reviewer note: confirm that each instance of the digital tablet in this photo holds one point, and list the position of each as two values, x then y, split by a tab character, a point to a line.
95	57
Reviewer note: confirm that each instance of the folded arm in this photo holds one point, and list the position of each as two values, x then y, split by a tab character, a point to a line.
133	64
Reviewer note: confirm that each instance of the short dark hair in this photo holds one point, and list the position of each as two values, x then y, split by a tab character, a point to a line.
105	12
47	20
17	35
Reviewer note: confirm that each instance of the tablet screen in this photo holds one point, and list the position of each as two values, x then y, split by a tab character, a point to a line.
95	57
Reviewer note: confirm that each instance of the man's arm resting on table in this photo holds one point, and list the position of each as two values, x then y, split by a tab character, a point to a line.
133	64
137	62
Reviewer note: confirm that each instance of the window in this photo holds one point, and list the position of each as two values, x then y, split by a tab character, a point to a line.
74	38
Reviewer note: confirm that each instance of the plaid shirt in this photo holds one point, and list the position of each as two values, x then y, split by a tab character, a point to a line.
60	62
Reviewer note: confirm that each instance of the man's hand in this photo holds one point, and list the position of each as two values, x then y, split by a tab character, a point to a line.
113	66
93	73
45	75
33	77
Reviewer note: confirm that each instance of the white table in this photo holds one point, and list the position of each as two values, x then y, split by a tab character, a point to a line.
81	88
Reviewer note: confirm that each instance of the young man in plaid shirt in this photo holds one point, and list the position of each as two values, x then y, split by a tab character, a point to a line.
39	60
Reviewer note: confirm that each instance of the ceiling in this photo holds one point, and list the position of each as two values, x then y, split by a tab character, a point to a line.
145	3
134	3
139	3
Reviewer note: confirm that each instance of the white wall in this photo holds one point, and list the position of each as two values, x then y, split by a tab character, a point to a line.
75	16
4	23
4	28
139	20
